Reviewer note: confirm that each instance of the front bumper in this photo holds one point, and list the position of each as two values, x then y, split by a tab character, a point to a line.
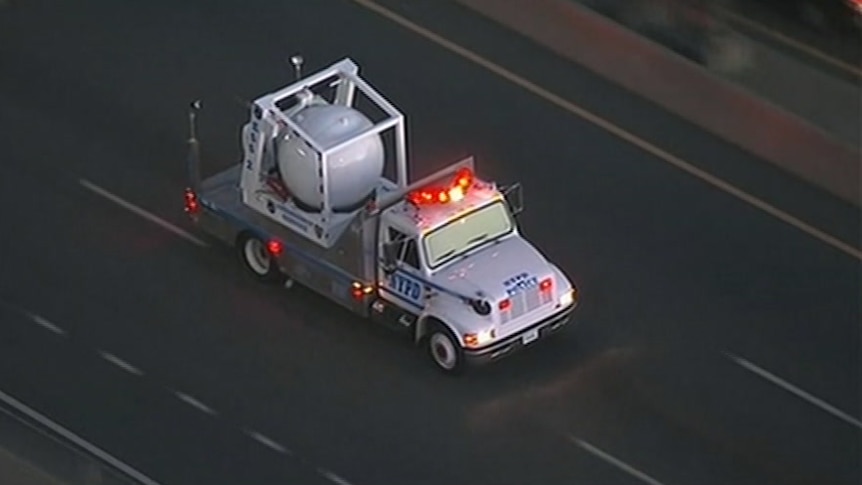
515	342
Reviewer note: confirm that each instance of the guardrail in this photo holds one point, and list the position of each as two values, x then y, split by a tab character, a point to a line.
709	34
60	454
706	97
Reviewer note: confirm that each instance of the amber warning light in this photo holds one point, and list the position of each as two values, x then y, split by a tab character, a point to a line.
441	195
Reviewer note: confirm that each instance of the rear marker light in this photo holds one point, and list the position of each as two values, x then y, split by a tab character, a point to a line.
191	202
358	290
505	304
546	284
275	248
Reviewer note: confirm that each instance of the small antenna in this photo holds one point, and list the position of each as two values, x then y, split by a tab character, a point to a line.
194	147
194	107
297	61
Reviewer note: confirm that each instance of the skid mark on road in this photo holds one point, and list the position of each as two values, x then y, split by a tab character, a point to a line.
810	398
615	130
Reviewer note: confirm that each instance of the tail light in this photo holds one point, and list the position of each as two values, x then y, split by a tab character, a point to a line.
546	290
191	202
358	290
274	247
504	304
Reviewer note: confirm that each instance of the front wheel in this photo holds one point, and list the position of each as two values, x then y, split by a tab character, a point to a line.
444	350
257	259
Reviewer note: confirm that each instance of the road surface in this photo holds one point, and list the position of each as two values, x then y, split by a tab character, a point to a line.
715	343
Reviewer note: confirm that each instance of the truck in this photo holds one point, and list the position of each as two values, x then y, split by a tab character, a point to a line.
322	198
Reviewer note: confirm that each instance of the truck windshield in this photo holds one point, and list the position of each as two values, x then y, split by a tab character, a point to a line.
460	235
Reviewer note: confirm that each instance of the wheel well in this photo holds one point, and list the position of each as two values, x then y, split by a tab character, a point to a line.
243	235
424	326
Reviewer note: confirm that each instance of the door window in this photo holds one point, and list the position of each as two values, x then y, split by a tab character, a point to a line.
408	249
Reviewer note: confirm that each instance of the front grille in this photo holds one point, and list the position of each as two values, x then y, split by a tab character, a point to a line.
525	302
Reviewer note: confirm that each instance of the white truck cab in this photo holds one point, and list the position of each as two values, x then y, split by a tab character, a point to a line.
446	242
441	258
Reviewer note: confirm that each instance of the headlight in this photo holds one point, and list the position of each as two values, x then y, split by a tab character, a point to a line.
480	338
567	298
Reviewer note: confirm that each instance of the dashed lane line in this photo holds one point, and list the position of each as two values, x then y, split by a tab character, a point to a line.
45	323
195	403
332	477
186	398
615	461
122	364
613	129
812	399
141	212
268	442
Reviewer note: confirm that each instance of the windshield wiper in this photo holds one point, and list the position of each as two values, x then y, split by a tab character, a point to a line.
478	238
445	255
450	252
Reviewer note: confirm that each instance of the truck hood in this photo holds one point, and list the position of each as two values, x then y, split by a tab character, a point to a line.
494	269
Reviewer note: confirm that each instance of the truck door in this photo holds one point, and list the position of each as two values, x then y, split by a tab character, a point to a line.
401	283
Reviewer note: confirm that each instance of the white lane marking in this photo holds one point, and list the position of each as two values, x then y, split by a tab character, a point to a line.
615	461
615	130
268	442
141	212
825	406
8	457
77	440
43	322
122	364
801	46
332	477
194	403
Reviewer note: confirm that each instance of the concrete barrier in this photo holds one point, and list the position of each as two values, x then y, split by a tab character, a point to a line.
683	88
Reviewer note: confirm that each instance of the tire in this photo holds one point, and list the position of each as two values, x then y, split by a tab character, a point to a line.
257	260
444	351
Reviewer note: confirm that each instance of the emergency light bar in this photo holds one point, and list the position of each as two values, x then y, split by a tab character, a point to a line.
441	195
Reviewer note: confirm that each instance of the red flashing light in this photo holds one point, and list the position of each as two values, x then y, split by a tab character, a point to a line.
505	304
443	195
274	247
546	284
191	202
464	178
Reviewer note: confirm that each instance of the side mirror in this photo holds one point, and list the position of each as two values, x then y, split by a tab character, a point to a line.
390	256
514	198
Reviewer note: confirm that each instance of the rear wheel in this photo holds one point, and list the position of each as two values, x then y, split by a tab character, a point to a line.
444	350
257	259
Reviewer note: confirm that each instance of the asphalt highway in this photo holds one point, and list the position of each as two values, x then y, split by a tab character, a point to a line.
715	344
